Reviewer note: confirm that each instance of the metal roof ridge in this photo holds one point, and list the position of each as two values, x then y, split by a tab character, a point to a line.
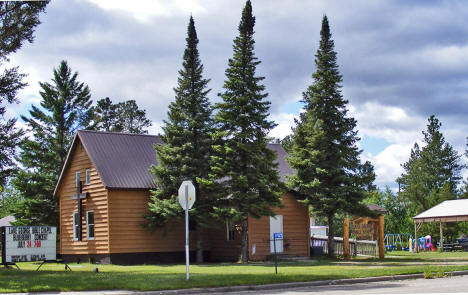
115	133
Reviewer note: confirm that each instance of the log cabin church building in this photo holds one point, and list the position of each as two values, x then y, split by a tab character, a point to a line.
104	222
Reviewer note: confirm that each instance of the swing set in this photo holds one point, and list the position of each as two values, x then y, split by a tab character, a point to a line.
393	240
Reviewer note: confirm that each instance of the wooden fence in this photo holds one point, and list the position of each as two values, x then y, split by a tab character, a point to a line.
356	247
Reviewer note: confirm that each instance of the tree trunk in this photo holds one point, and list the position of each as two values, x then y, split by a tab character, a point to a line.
199	244
245	240
331	241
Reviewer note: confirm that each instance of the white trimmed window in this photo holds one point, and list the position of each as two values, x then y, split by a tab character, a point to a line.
88	176
230	230
76	225
90	225
77	178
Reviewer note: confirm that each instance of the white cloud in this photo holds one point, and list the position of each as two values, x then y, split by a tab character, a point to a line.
387	163
394	124
285	123
143	10
402	130
401	61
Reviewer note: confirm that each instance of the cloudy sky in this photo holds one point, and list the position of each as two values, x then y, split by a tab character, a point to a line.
401	61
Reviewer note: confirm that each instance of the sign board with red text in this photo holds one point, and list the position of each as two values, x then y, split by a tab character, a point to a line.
28	243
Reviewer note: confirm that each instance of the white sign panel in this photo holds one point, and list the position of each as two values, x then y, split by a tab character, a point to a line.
29	243
187	185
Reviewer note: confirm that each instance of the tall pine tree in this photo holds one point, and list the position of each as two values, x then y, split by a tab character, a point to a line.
64	108
433	172
186	148
247	167
17	23
124	116
329	175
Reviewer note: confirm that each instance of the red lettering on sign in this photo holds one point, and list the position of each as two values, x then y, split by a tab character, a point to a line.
37	244
28	244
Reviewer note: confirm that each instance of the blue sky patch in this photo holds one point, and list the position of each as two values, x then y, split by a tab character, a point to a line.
373	145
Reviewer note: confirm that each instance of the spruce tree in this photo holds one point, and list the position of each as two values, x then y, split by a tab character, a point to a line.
328	173
17	23
186	148
64	108
247	167
433	172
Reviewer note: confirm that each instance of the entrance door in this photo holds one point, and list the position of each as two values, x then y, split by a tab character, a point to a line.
276	226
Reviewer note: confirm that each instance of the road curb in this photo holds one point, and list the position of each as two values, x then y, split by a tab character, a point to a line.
288	285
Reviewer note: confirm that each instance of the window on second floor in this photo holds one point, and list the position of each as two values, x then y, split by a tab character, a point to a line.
88	177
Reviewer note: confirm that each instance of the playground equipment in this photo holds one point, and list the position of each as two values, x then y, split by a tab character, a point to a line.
421	243
424	244
392	241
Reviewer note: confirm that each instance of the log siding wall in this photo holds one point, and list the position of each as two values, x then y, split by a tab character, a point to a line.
296	230
118	220
97	202
127	235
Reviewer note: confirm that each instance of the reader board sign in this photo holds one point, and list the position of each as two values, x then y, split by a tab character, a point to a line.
28	243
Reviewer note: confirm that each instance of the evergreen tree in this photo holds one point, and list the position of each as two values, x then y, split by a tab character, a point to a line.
9	200
250	180
121	117
64	108
17	23
131	118
104	115
432	172
329	175
186	148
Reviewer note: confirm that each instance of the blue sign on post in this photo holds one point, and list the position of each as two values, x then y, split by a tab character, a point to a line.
277	236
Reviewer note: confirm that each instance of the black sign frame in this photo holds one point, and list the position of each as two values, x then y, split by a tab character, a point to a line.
2	230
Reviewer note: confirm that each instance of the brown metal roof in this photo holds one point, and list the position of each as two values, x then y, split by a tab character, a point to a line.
283	166
122	160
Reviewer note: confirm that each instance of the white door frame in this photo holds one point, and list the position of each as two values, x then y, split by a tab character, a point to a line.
276	226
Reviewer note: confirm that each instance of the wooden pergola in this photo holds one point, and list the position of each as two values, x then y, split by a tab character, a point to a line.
447	211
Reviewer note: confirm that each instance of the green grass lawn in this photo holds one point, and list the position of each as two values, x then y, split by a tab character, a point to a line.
52	277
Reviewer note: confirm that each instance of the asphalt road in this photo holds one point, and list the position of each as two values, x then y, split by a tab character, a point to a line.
453	285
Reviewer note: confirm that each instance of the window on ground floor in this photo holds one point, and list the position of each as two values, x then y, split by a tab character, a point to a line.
76	225
90	225
230	230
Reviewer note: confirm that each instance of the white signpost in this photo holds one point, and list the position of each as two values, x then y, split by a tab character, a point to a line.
187	197
28	243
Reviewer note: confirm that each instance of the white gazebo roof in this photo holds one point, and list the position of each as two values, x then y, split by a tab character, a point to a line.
447	211
7	221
